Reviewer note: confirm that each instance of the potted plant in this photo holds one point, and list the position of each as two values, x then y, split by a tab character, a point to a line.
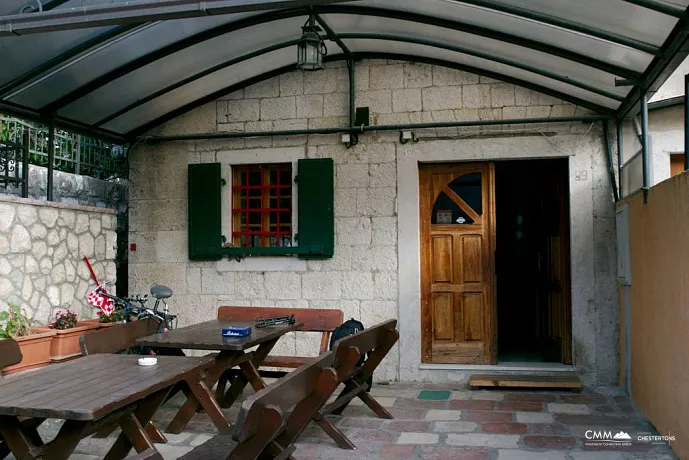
35	346
65	342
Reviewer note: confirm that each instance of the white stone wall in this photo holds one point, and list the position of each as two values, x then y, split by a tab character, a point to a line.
374	273
42	246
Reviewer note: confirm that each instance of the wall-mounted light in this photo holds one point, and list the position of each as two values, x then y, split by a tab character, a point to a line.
311	47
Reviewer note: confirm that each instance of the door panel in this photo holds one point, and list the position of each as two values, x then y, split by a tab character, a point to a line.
472	259
457	247
442	316
442	252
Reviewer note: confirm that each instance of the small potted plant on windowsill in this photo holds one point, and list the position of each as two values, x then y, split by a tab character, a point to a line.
34	345
65	342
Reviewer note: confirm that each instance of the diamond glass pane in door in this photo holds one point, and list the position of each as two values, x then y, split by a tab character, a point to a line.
460	203
446	211
468	188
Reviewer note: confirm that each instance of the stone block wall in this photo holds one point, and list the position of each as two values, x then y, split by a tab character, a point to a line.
42	246
372	184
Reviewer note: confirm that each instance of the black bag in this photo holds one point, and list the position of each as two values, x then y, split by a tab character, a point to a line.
350	327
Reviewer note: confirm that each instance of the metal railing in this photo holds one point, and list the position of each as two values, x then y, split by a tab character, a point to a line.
73	153
13	160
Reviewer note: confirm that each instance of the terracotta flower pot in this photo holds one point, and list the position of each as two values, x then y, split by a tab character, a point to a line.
65	343
35	350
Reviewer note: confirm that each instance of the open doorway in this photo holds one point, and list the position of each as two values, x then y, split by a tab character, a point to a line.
532	261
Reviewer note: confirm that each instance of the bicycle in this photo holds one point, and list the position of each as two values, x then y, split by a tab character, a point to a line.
128	308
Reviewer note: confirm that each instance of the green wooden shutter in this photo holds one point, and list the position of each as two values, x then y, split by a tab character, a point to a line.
316	219
205	220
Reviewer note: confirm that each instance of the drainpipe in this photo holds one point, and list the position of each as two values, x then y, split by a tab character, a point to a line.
363	129
644	144
620	158
686	122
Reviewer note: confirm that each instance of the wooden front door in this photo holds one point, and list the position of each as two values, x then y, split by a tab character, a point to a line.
457	214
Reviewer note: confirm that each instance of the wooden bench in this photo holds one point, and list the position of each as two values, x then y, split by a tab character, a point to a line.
116	338
273	418
10	354
376	341
313	319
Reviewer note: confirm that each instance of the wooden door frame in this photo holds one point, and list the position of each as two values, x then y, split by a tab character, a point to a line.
490	321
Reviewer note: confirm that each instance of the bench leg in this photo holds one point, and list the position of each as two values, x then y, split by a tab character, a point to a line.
375	406
338	436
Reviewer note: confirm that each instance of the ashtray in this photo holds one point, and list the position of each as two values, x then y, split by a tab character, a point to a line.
148	361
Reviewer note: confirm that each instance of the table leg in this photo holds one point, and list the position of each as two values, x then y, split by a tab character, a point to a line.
204	396
240	380
224	360
16	440
21	439
133	433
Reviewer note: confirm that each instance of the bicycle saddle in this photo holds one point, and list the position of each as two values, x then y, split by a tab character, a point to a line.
161	292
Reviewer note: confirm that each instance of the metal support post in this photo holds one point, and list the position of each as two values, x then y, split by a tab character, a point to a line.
25	164
644	144
608	151
686	122
620	157
352	108
51	159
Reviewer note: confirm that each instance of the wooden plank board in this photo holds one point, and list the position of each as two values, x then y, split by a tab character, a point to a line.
93	386
208	336
566	380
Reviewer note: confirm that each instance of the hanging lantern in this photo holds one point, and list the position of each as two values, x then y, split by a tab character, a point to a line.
311	48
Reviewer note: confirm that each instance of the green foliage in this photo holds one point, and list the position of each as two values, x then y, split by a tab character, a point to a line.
14	323
64	319
116	316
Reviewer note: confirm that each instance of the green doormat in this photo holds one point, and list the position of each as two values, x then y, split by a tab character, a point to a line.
434	395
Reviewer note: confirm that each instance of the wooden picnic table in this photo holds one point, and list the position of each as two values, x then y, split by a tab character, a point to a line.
90	393
232	352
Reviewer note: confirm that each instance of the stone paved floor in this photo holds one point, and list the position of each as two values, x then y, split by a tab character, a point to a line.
466	425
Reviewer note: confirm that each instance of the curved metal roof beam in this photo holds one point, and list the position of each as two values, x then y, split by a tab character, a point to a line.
143	129
664	8
486	56
563	23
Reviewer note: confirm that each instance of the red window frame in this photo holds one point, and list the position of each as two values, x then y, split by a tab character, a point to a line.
259	194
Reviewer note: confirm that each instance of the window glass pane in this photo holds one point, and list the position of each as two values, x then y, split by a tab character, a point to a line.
262	205
468	188
445	211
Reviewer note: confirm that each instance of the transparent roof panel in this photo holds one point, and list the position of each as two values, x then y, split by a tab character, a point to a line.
616	16
518	54
131	91
145	41
159	74
566	39
200	88
24	54
374	46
